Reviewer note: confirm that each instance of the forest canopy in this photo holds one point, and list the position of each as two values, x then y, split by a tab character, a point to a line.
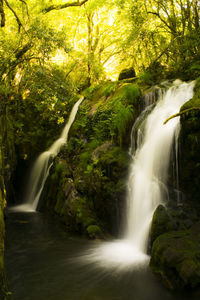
74	44
100	37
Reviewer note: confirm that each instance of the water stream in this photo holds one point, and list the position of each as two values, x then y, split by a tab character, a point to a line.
42	166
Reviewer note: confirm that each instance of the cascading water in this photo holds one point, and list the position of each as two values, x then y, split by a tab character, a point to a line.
148	174
147	184
43	164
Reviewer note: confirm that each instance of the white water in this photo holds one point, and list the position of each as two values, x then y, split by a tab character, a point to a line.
147	184
43	164
148	175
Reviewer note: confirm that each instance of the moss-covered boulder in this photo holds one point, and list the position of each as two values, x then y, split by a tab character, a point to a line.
127	73
175	258
162	222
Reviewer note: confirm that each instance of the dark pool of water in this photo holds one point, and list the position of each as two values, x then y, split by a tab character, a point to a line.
41	265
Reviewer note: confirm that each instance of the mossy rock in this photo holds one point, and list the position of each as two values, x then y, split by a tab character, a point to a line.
127	73
162	222
175	258
94	232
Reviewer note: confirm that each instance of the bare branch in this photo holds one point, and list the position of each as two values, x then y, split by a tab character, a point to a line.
159	16
181	113
110	55
65	5
24	2
14	13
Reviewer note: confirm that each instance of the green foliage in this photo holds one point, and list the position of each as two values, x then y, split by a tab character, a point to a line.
109	88
122	116
96	91
112	116
130	93
94	231
145	77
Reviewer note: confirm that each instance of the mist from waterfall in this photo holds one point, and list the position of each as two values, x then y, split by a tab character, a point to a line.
42	166
151	148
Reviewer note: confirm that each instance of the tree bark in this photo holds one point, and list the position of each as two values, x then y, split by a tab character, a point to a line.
3	20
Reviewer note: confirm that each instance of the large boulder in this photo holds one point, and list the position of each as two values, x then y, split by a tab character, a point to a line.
127	73
162	222
175	258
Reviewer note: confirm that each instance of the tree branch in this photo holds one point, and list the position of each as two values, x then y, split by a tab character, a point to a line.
23	50
158	15
24	2
65	5
181	113
14	13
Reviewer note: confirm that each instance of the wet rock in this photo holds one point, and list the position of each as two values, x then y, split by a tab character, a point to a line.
162	222
175	258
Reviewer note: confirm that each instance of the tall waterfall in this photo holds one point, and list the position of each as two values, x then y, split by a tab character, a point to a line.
147	183
42	165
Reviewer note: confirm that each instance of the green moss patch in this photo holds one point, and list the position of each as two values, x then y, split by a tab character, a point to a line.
175	258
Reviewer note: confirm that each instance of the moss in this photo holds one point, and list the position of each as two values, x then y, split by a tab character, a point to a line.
94	231
130	92
175	256
162	222
103	89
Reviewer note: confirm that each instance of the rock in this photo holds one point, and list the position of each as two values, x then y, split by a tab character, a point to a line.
162	222
127	73
94	232
101	150
175	258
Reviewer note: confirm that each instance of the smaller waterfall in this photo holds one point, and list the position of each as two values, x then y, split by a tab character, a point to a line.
43	165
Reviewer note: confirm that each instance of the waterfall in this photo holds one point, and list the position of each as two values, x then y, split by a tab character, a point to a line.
147	183
42	165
